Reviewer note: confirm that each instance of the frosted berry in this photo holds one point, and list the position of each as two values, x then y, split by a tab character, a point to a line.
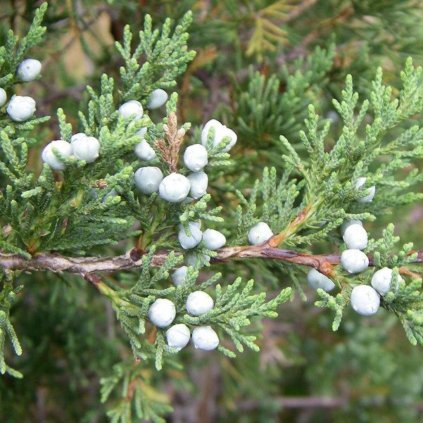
3	97
179	275
178	336
199	303
162	312
28	70
174	188
190	241
371	191
348	223
213	123
318	280
21	108
213	240
354	261
157	99
221	133
148	179
259	233
382	280
49	156
355	237
195	157
365	300
205	338
144	151
85	148
131	109
199	182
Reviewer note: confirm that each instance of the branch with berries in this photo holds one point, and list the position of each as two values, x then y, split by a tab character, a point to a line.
131	260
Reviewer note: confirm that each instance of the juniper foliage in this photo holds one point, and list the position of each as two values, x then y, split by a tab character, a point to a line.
306	191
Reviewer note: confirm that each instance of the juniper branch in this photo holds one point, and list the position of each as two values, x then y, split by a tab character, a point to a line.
89	265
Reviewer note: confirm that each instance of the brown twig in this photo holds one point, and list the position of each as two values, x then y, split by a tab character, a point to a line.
87	266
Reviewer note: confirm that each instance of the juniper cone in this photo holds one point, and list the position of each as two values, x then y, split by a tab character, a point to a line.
227	226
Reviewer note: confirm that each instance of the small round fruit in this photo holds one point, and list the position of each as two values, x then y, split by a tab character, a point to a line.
49	156
259	233
205	338
199	182
318	280
355	237
131	109
179	275
85	148
162	312
213	240
382	280
174	188
190	241
21	108
354	261
28	70
371	191
157	99
144	151
348	223
199	303
178	336
365	300
3	97
195	157
148	179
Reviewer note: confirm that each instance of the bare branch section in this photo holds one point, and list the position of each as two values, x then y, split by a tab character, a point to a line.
89	265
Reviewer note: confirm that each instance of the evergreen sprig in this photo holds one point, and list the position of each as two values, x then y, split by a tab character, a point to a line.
165	55
16	49
8	297
134	395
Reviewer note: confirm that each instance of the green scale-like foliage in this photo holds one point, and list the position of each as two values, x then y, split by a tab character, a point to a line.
306	191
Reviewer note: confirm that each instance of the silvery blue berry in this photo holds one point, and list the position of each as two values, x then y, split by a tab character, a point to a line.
381	280
157	99
213	240
131	109
205	338
3	97
148	179
354	261
48	154
199	182
195	157
174	188
318	280
29	69
162	312
179	275
190	241
199	303
21	108
365	300
259	233
85	148
177	336
371	191
221	132
213	123
355	237
348	223
144	151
